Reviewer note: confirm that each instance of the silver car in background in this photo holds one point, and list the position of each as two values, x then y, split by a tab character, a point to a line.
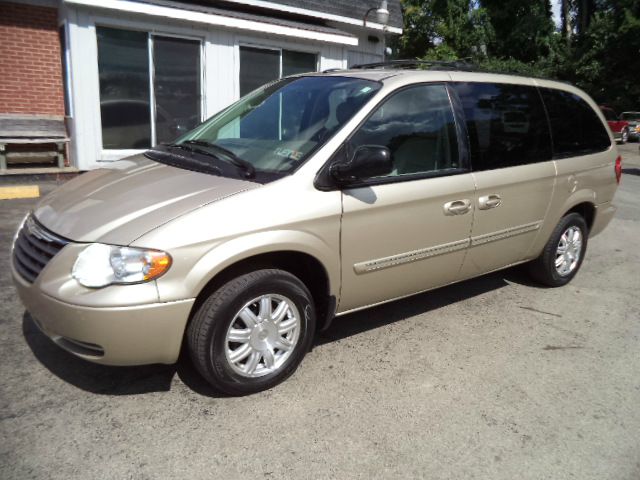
633	118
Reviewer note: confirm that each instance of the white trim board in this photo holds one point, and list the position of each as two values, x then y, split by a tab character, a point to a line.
216	20
316	14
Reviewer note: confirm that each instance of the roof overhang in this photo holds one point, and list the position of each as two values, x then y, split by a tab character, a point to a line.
317	14
224	19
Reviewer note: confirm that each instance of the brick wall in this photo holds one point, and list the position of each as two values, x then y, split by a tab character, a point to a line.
31	73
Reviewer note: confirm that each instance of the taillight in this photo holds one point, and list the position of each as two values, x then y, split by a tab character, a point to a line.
618	168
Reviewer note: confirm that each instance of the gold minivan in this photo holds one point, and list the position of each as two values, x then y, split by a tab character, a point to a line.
312	197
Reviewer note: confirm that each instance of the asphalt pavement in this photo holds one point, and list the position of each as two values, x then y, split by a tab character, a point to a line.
494	378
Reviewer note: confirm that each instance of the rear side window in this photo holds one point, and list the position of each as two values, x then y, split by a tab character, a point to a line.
506	125
575	127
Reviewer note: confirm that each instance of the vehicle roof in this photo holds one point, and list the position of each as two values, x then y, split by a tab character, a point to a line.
395	75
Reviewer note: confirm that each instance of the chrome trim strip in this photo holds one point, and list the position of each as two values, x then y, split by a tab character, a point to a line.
35	229
506	233
421	254
413	256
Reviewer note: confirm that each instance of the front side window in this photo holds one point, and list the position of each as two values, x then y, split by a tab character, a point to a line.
506	125
137	113
576	129
417	125
276	127
259	66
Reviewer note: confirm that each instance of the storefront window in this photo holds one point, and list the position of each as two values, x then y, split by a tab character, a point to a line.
128	97
176	86
260	65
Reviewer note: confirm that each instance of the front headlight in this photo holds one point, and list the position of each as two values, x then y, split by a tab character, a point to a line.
100	265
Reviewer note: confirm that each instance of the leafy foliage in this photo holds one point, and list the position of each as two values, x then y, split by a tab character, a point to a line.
597	48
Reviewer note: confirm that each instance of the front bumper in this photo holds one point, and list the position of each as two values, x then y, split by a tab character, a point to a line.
119	335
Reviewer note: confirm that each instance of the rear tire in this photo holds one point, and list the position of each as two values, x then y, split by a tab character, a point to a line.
563	254
253	332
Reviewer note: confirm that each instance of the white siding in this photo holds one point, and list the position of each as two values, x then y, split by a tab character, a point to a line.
220	60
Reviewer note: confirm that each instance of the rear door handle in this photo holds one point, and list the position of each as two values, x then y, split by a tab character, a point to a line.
489	201
457	207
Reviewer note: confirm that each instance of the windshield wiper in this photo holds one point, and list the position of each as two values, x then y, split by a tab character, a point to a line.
180	161
247	167
190	148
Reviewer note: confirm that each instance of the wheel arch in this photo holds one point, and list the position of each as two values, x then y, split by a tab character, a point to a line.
586	209
582	202
306	266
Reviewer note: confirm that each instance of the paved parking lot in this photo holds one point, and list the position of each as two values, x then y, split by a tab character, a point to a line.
494	378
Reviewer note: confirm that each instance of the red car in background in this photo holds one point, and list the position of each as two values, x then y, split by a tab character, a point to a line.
620	128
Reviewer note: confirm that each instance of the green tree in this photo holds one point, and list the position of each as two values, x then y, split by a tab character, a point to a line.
443	29
596	48
523	28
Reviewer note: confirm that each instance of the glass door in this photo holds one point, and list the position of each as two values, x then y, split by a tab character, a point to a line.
150	87
176	86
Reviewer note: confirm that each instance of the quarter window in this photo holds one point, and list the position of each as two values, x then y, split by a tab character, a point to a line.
506	125
576	128
260	65
417	125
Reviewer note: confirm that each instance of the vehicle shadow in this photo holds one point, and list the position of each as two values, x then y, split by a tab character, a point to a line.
108	380
388	313
631	171
91	377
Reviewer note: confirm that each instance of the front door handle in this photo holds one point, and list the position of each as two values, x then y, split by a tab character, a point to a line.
489	201
457	207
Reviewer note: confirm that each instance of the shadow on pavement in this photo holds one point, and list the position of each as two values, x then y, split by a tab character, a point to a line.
365	320
107	380
91	377
631	171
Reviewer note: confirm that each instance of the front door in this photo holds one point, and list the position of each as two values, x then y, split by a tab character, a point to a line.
408	231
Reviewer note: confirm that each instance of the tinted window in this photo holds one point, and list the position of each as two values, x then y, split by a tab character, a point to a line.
417	125
176	83
123	66
630	116
259	66
575	127
294	63
506	125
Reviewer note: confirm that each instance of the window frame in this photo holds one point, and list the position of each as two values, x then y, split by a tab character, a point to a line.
464	119
272	47
150	32
561	156
324	176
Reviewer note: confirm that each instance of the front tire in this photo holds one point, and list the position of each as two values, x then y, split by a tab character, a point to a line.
563	254
253	332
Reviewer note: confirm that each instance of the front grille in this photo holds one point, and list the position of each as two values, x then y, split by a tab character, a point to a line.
34	247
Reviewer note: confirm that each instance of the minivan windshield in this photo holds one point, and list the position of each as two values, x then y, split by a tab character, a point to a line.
274	129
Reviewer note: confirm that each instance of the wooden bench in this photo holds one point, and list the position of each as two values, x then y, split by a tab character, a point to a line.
20	129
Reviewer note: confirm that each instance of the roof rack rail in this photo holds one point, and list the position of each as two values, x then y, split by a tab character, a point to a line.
429	64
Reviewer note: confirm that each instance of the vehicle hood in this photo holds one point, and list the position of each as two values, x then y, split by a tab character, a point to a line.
119	204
